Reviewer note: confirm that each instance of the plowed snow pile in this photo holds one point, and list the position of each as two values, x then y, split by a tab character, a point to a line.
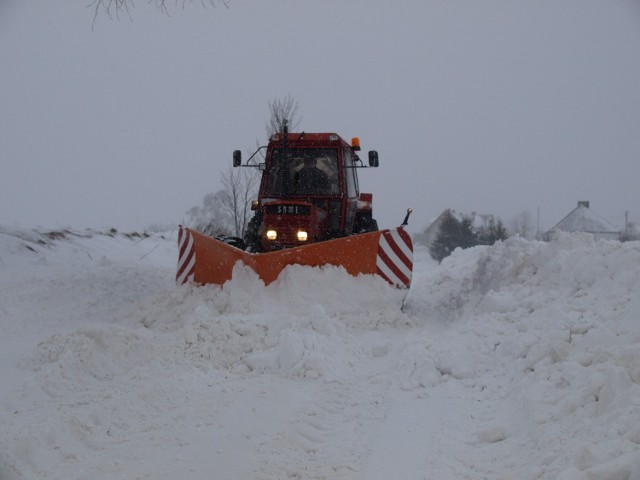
516	361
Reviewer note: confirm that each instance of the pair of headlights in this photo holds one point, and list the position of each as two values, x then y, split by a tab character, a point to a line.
301	235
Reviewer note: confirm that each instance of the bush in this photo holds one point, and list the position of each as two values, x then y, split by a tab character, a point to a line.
456	233
453	233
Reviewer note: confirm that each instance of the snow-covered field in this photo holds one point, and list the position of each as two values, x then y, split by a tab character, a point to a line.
516	361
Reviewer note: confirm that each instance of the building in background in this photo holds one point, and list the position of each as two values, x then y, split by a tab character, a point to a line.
583	219
479	221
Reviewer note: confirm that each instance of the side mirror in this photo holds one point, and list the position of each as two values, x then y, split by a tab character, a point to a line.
373	158
237	158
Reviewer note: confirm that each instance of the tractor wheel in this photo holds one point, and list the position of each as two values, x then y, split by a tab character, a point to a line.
364	223
233	241
252	234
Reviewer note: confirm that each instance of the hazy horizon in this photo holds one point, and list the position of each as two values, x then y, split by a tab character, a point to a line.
495	107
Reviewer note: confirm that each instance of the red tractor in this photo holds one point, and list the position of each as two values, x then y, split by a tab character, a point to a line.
309	212
309	192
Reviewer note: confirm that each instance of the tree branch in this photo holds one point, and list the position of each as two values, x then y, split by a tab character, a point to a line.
113	8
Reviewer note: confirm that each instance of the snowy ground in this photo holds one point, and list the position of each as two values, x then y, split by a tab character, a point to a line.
517	361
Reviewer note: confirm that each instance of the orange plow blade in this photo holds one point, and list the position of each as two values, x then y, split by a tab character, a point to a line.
388	253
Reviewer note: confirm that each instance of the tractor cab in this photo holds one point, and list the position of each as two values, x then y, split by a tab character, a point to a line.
309	192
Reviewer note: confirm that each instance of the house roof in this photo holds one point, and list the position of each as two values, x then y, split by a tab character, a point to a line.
582	219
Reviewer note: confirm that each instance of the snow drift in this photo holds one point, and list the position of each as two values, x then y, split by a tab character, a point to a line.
520	360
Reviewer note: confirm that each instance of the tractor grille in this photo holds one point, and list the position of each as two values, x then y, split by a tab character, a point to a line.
284	209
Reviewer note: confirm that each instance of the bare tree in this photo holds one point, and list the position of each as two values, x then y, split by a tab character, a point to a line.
239	186
281	109
523	225
211	218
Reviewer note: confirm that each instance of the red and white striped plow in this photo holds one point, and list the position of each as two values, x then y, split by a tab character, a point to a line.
204	260
394	262
186	257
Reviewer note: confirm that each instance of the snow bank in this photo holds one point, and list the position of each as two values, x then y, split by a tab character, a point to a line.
560	322
519	360
296	327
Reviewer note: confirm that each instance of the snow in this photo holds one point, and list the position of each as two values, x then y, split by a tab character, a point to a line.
519	360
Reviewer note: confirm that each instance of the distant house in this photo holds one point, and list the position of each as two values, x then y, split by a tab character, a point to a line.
427	237
582	219
478	222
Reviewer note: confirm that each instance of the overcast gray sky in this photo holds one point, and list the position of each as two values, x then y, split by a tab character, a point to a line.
494	106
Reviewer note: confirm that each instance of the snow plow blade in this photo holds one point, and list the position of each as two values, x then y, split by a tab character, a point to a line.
388	253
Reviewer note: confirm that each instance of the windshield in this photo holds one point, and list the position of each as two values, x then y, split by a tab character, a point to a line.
307	171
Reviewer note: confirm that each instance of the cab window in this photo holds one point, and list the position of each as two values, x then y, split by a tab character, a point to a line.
350	173
290	170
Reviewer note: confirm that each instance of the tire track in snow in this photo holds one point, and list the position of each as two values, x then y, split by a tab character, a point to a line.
330	437
452	410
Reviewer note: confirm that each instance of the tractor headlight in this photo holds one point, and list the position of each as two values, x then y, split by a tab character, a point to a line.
302	236
271	234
